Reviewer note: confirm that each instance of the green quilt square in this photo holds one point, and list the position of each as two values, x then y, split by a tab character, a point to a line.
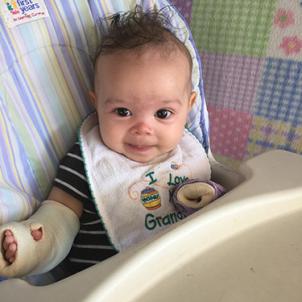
232	26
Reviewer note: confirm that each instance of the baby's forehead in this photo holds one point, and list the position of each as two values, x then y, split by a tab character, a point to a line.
169	51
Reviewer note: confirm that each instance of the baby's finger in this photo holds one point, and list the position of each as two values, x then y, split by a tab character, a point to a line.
7	240
37	234
10	254
8	233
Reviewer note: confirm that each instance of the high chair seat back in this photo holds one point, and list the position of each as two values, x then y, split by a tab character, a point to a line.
46	71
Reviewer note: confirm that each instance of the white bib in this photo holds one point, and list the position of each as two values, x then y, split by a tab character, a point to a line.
133	199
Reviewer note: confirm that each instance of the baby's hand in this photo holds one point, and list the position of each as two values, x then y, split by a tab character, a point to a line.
10	245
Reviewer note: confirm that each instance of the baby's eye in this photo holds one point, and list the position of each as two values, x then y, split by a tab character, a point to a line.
163	114
122	111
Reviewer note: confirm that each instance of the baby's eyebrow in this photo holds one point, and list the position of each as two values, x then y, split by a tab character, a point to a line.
111	101
173	101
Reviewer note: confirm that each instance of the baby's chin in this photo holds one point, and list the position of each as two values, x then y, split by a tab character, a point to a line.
139	159
148	159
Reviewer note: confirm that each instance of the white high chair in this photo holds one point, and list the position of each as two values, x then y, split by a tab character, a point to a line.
244	247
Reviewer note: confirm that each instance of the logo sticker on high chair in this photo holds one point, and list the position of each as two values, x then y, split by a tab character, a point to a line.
16	12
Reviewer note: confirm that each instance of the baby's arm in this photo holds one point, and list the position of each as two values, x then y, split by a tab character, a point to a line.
45	232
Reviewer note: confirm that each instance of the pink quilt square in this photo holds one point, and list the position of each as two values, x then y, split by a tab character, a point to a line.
229	130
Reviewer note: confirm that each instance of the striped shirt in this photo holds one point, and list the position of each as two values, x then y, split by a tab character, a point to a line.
92	244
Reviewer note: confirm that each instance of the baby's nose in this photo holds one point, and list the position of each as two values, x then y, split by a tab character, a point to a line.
141	128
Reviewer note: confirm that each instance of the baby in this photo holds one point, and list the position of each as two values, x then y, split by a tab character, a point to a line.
114	187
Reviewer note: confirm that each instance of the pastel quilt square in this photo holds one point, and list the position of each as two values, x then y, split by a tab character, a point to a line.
232	26
280	91
266	135
229	132
185	7
286	34
231	81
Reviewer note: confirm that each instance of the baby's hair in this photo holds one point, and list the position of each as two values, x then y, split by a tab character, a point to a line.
137	29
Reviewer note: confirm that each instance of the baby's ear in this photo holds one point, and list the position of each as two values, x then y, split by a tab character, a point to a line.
92	98
192	99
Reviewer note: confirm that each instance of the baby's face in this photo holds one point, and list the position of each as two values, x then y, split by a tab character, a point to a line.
142	102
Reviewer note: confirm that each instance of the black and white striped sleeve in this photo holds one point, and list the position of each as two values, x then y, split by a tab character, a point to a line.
92	244
71	176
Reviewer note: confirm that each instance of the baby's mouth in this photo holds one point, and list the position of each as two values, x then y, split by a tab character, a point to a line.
139	148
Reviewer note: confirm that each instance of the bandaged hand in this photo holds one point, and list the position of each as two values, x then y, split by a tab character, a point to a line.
38	244
194	194
9	243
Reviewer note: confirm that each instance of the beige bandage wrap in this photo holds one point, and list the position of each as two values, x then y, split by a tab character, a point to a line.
196	195
59	226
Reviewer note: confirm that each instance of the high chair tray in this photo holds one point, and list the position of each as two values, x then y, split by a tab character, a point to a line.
246	246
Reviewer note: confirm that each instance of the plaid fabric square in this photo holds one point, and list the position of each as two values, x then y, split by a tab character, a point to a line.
279	96
185	7
266	135
232	26
229	132
231	81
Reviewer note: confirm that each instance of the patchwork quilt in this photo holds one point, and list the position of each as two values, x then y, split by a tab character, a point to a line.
252	69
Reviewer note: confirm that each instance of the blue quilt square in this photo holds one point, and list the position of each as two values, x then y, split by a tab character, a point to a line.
279	95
